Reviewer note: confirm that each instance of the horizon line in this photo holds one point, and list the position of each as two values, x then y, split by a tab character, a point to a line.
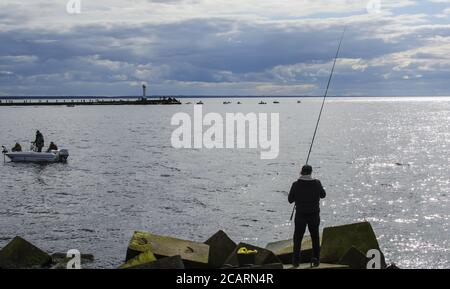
11	97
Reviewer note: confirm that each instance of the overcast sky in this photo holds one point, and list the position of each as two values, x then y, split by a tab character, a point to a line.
224	47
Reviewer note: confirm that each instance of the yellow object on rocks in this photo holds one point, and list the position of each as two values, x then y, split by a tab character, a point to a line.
245	251
143	258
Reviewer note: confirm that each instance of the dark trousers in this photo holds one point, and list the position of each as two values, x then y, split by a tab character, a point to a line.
313	222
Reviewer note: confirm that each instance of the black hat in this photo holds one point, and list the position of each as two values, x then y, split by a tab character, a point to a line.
306	170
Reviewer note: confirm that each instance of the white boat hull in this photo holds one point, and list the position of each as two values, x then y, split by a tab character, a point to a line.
35	157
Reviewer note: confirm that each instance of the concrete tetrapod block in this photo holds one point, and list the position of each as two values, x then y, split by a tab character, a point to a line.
273	266
174	262
143	258
21	254
263	256
220	247
336	241
321	266
284	249
355	259
193	254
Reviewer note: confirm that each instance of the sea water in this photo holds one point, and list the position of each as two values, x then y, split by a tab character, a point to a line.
384	160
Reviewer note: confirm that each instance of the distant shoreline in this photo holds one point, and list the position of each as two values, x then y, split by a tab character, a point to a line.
199	96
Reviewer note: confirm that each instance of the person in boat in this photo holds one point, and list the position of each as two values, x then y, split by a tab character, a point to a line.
306	192
39	141
17	148
52	147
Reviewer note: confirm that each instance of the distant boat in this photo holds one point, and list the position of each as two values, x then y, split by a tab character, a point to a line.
200	102
35	157
276	102
239	102
262	102
226	102
70	105
189	102
299	101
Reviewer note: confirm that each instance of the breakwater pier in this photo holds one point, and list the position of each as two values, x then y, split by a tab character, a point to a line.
85	100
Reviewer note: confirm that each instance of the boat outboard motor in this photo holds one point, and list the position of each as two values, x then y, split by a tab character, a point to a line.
4	151
63	155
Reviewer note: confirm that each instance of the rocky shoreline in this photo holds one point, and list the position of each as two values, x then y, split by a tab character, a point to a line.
352	246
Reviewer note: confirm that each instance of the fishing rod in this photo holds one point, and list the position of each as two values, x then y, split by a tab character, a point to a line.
323	103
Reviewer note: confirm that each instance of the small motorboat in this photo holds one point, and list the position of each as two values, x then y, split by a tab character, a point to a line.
53	156
262	102
276	102
200	102
299	101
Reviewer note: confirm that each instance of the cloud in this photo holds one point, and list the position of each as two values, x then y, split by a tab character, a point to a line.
432	57
444	14
212	47
18	59
50	14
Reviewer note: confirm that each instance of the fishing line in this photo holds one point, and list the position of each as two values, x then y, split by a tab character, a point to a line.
323	103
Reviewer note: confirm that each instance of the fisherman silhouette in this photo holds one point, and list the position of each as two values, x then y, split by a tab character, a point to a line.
52	147
17	148
39	141
306	192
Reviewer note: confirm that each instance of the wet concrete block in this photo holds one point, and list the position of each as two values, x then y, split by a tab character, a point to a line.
336	241
284	249
263	256
355	259
392	266
193	254
59	266
273	266
20	254
220	247
174	262
143	258
321	266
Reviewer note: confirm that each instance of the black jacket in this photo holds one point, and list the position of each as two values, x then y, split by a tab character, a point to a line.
39	141
306	194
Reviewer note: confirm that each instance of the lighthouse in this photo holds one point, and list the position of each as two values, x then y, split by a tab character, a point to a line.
144	88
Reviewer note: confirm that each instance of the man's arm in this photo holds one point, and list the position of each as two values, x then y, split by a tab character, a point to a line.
291	197
322	192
